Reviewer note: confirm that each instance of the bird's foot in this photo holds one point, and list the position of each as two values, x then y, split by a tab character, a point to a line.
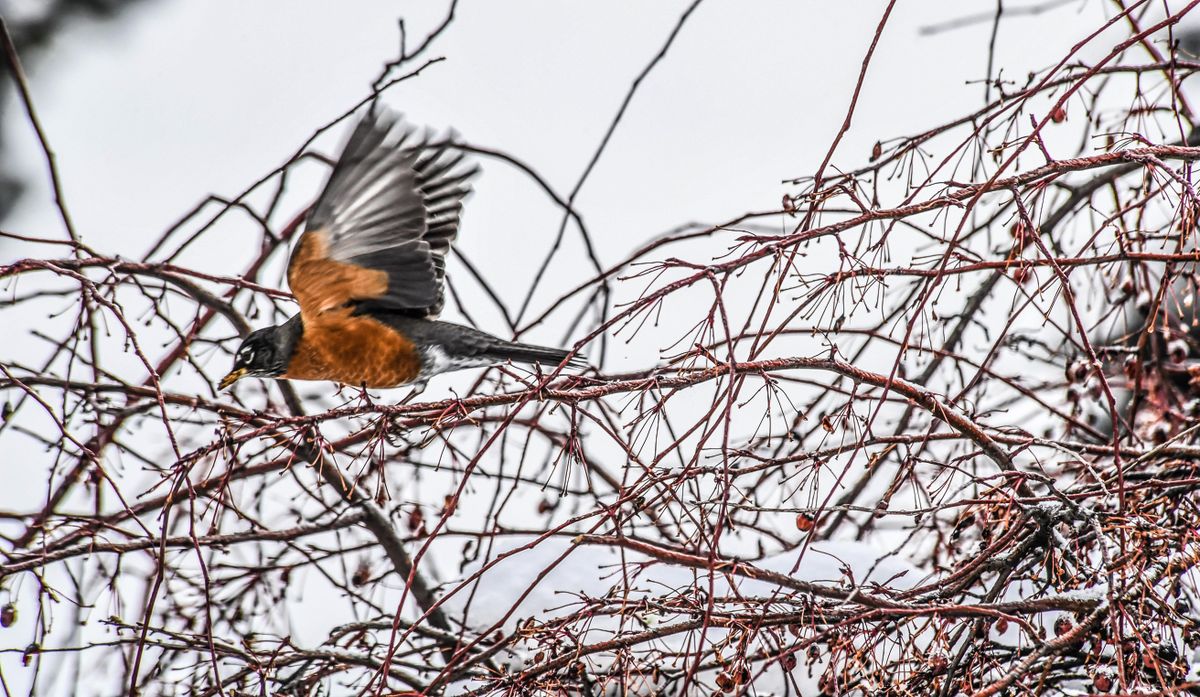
397	432
417	389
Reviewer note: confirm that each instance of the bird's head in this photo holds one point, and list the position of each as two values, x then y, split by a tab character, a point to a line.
263	354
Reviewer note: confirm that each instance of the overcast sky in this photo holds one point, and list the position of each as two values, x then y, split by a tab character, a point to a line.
178	100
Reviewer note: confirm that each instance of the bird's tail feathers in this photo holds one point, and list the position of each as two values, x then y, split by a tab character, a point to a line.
543	355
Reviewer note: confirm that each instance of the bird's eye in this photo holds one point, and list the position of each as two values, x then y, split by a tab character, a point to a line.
246	356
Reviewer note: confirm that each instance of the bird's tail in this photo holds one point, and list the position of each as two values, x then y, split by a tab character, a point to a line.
543	355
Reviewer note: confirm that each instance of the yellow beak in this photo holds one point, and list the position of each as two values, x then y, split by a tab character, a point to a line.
232	377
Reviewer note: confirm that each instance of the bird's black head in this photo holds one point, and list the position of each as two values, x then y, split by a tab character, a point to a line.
264	353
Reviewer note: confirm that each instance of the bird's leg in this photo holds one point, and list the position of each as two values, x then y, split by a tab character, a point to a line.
417	388
366	395
396	419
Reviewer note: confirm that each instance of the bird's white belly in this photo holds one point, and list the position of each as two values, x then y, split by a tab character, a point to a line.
435	360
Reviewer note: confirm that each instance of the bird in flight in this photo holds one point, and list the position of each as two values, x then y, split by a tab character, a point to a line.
369	271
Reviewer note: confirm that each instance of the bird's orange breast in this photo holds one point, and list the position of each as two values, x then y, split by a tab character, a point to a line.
353	350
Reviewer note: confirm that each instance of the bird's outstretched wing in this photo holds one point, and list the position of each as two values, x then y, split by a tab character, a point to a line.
381	229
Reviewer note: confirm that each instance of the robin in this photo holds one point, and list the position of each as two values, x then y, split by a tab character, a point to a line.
368	273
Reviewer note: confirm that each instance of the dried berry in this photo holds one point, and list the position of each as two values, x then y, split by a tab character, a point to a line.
743	674
1019	232
415	519
724	682
361	575
1177	351
1131	367
1167	652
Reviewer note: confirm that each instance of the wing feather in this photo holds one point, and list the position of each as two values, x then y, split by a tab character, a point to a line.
382	227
